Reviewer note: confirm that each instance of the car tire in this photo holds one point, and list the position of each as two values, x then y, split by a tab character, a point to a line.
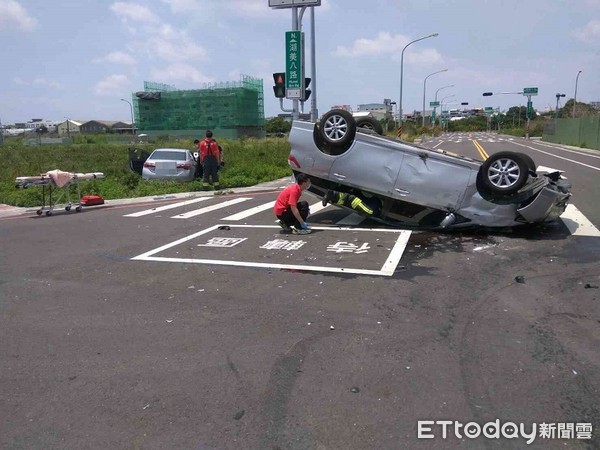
337	128
370	123
504	173
529	161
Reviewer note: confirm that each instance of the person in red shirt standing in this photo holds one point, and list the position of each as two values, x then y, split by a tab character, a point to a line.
210	158
290	212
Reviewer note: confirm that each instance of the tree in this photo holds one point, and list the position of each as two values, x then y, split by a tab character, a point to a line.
516	115
581	110
277	125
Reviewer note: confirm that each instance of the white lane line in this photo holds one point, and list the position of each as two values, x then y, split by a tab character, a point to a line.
351	220
200	211
577	223
557	146
438	144
166	207
250	212
556	156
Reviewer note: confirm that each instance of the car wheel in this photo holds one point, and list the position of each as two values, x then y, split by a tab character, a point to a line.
504	173
529	161
338	127
370	123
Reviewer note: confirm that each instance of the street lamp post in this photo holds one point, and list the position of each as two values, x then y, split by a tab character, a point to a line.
424	88
575	98
436	93
402	72
132	122
442	107
558	96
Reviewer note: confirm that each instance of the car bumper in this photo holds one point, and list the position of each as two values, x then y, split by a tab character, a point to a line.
547	206
184	175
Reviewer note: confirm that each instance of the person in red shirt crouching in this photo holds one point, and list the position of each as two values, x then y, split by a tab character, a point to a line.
292	213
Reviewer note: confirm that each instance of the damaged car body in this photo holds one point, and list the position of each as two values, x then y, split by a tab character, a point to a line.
417	187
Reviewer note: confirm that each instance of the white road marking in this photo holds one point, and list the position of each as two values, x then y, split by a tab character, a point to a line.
387	269
556	156
200	211
250	212
577	223
438	144
557	146
544	169
351	220
166	207
316	207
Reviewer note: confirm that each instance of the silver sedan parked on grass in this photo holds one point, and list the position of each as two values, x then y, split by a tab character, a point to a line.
413	186
170	164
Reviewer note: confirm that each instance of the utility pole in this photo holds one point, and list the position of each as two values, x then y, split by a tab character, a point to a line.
575	97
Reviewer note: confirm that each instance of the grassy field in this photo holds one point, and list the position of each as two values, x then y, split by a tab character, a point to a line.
248	162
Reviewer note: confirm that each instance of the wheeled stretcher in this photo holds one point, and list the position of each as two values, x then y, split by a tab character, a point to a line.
63	181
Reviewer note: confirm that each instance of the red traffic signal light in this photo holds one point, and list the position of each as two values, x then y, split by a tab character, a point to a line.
279	88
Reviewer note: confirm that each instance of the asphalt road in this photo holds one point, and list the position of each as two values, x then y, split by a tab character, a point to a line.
215	331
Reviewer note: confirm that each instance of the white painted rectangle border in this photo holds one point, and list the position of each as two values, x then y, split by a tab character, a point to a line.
387	269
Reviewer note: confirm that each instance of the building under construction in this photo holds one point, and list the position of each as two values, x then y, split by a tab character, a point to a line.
231	109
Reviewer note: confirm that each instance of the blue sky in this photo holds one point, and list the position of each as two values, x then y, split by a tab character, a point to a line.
77	58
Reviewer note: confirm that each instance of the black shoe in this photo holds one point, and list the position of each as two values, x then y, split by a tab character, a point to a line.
284	225
328	197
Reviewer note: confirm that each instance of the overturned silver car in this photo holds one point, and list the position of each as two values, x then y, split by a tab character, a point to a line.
422	188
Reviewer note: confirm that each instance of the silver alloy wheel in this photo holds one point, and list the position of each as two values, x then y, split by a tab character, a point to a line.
336	128
504	173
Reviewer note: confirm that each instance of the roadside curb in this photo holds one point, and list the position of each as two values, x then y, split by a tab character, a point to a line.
13	211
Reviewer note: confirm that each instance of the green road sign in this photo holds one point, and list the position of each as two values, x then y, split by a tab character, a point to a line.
529	109
293	64
433	116
445	112
434	104
530	91
489	109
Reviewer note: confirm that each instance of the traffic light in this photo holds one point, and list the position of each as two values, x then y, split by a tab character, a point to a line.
488	94
307	91
279	88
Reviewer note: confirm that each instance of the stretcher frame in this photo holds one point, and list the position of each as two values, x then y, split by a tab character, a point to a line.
46	181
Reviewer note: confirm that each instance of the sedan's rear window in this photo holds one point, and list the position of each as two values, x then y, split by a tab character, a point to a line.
168	155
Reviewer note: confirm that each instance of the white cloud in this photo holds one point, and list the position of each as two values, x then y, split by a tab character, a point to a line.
38	82
47	83
590	33
117	58
180	72
248	9
176	50
425	57
178	6
134	12
388	44
112	85
13	15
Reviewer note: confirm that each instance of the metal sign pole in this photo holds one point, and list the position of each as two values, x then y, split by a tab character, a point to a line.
528	116
295	102
314	112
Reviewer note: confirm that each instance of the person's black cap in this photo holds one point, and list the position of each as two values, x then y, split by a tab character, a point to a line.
208	133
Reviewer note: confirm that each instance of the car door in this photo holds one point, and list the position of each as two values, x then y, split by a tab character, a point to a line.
371	165
430	179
